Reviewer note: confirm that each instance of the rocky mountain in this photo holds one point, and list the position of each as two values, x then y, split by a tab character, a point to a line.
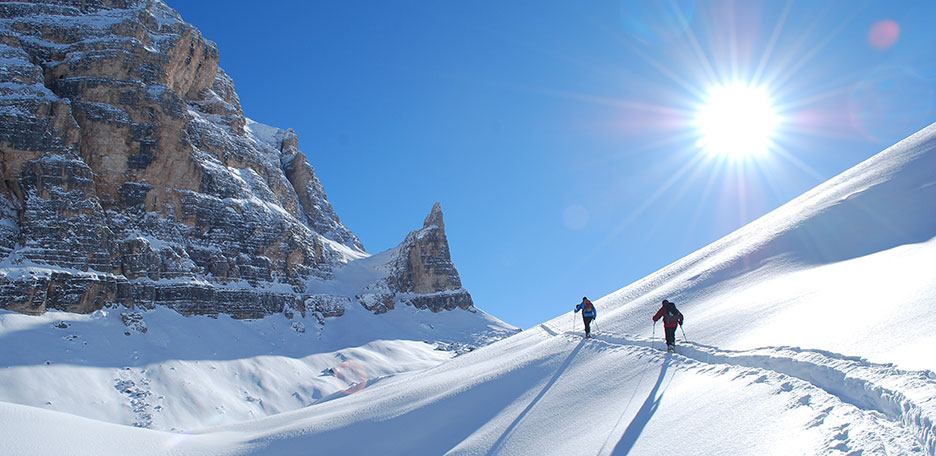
420	273
129	175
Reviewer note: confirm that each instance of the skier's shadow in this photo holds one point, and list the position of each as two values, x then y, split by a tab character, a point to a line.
643	415
495	449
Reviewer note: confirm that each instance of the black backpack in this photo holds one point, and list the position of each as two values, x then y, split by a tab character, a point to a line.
670	313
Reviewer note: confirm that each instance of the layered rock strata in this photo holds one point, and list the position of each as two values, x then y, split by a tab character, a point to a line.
130	175
420	273
423	269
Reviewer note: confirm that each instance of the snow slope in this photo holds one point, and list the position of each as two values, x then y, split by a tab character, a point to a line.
846	267
551	393
176	373
809	334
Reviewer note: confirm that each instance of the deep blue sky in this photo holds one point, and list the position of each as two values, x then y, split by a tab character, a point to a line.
557	135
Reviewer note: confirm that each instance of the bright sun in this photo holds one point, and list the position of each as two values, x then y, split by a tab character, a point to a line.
736	122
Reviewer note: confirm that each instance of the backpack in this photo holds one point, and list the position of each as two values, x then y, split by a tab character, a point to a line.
670	314
588	307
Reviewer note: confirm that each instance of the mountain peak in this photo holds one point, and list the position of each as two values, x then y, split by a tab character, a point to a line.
435	217
424	269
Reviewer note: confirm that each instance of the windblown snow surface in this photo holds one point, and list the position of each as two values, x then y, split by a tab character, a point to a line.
809	331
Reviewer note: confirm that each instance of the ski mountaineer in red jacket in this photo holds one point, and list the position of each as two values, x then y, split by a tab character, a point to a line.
672	318
588	314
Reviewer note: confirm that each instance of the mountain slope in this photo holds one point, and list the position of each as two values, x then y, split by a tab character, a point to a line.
844	268
186	372
547	391
130	176
552	393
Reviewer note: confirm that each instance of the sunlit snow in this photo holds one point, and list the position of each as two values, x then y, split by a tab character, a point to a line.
808	331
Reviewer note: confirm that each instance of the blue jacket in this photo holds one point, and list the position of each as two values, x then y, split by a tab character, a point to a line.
581	306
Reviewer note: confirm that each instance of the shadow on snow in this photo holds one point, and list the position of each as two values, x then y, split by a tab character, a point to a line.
498	445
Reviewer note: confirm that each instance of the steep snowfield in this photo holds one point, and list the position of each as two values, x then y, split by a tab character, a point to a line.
809	332
847	267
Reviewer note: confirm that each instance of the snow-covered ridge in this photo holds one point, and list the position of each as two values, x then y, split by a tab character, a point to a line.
826	215
856	247
265	133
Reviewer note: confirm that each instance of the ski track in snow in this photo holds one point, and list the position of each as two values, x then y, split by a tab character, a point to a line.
863	394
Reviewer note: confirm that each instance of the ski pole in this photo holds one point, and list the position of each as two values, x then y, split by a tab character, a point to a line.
596	326
653	335
683	334
573	322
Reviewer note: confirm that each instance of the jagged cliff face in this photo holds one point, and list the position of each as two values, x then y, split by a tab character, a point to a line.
130	175
419	273
423	268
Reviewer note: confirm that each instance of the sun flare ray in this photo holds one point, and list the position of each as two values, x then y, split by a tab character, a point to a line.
774	37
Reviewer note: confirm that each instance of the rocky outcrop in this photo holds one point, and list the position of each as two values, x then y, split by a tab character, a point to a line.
377	299
422	269
129	173
130	176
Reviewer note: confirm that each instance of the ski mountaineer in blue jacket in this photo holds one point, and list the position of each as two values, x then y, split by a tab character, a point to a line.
588	314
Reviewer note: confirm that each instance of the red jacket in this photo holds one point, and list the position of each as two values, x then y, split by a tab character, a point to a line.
666	324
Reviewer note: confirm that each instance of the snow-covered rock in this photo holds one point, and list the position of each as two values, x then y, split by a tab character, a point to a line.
419	273
132	177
